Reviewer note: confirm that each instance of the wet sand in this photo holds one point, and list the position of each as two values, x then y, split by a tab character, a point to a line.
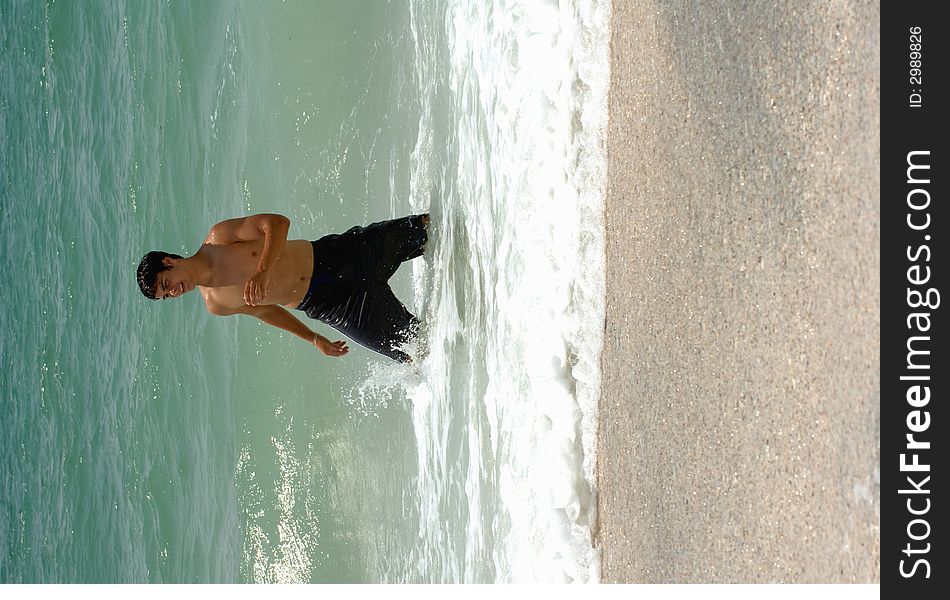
739	419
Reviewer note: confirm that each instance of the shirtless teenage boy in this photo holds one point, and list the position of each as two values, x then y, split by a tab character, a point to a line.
248	266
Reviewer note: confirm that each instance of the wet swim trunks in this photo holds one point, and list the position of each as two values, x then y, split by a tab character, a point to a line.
349	288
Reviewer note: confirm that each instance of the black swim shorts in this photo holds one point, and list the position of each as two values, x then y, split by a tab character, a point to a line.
349	288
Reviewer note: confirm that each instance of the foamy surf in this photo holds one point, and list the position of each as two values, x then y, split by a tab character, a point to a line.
510	161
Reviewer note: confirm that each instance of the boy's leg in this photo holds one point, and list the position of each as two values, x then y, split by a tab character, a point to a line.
378	320
397	241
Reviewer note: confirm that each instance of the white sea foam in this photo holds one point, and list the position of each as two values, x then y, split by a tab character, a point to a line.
513	288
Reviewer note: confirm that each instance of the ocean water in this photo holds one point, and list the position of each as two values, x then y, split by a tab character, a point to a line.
151	442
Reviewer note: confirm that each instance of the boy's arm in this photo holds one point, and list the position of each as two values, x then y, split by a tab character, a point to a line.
278	316
272	228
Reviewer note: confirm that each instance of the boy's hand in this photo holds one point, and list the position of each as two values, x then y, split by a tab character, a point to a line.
338	348
256	288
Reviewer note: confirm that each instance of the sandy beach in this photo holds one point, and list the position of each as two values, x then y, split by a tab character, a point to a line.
739	418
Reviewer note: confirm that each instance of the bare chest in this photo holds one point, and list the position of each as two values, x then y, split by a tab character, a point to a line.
234	264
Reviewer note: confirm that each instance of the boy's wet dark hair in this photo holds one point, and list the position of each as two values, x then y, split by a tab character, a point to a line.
149	269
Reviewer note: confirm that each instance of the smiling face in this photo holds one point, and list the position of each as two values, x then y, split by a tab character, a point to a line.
173	281
160	275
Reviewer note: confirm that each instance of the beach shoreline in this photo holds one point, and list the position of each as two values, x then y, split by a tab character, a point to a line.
739	414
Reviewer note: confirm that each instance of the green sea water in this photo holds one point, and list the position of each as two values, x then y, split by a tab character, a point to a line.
149	442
